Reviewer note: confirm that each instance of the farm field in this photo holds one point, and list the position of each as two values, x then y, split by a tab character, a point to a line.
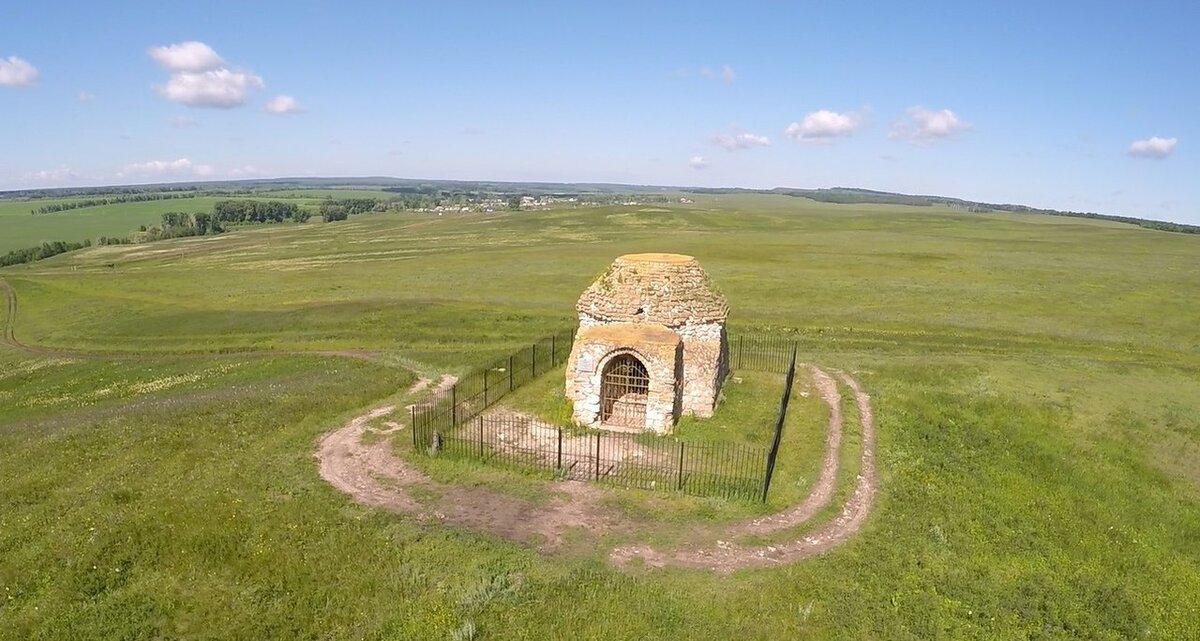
22	229
1035	379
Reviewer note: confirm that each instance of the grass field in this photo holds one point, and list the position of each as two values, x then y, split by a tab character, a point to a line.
1036	382
22	229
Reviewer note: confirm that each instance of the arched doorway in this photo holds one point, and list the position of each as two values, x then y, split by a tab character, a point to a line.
624	386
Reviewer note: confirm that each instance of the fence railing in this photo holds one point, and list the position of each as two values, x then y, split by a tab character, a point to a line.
638	460
761	353
481	388
453	422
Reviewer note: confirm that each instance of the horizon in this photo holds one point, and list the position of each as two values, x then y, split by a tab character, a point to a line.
1033	209
1086	110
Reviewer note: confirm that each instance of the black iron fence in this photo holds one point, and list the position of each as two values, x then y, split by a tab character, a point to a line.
481	388
453	422
761	352
639	460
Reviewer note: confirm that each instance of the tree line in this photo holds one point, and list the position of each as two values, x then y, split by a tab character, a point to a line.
45	250
342	209
257	211
112	200
174	224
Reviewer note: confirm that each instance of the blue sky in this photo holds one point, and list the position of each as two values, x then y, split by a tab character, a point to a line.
1085	106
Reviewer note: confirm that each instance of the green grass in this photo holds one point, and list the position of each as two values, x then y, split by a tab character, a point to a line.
746	415
1036	382
22	229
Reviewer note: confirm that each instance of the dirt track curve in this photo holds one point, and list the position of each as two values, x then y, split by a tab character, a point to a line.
726	556
9	336
371	473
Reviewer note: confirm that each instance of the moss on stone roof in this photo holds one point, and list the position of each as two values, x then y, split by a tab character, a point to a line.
668	289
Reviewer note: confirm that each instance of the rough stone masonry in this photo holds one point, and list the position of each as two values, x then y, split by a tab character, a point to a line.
662	310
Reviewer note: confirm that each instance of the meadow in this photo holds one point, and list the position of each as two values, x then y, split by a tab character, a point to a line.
22	229
1036	383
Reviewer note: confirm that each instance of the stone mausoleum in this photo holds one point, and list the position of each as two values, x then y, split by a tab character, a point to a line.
651	345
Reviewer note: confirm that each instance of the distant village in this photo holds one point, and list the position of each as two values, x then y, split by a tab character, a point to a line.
464	203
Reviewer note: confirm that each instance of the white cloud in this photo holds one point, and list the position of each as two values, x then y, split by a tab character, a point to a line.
220	88
1153	147
922	125
724	74
283	105
182	122
187	56
17	72
85	96
247	170
60	173
697	162
200	78
736	141
160	167
823	125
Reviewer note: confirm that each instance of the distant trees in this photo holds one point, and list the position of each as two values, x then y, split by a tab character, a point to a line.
359	205
331	211
342	209
175	224
256	211
111	200
45	250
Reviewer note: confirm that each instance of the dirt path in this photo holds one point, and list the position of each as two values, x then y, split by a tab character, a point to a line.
725	556
822	492
9	337
372	474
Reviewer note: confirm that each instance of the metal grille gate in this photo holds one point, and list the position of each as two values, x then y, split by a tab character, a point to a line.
623	392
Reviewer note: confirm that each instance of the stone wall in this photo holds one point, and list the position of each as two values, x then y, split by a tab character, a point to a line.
705	365
671	297
659	349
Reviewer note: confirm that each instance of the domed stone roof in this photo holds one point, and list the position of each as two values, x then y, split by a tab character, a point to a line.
668	289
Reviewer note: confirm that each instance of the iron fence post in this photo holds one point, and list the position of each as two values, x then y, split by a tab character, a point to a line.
559	460
783	405
485	387
481	436
510	373
454	404
533	361
412	420
741	352
553	351
679	481
597	456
